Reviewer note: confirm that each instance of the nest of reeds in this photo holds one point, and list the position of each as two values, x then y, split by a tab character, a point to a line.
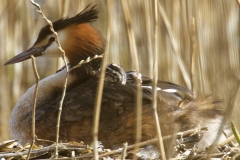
183	147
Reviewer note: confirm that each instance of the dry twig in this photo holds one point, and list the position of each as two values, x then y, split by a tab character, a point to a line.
85	61
34	105
124	150
228	140
66	79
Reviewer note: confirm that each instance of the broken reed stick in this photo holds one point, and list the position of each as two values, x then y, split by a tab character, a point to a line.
66	79
134	56
34	105
98	100
124	151
226	141
155	81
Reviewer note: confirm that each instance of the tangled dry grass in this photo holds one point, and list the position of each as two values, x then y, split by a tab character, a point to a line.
77	150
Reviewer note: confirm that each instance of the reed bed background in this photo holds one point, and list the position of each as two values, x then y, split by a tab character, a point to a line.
204	33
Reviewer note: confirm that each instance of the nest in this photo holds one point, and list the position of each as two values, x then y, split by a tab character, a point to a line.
183	146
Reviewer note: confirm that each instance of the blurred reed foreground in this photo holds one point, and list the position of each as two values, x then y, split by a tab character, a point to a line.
205	34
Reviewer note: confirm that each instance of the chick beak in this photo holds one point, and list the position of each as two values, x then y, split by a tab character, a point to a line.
37	51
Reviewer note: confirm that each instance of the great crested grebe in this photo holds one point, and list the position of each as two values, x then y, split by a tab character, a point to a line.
81	40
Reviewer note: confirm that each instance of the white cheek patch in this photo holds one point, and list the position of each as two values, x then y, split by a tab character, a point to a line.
53	50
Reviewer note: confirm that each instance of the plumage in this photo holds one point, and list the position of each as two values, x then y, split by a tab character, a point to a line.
177	106
89	14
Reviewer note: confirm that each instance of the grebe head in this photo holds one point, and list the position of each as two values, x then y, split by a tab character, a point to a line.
77	37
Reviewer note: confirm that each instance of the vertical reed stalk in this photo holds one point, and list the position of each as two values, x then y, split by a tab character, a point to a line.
97	106
133	52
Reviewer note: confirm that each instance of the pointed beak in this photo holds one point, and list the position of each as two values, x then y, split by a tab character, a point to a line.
38	51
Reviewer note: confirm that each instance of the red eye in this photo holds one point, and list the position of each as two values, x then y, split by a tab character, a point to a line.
51	39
